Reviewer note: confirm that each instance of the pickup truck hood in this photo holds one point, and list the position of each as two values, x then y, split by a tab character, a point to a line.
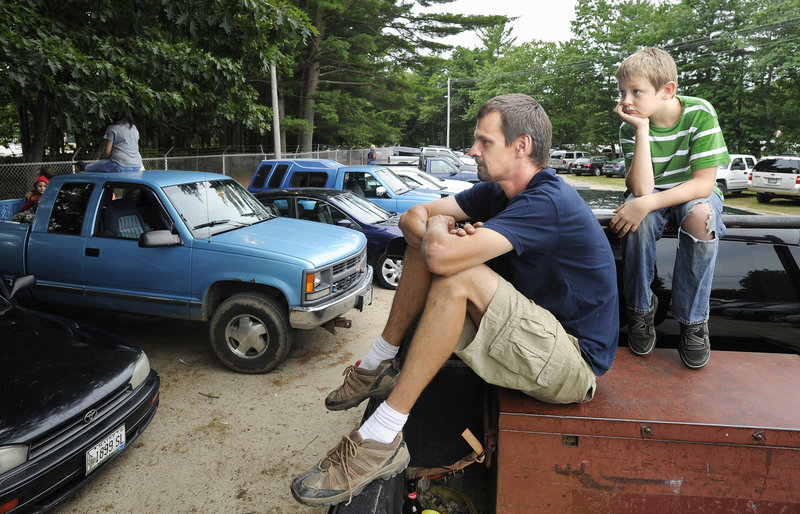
315	243
425	195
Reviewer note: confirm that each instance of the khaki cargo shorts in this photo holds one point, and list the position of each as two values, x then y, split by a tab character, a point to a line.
522	346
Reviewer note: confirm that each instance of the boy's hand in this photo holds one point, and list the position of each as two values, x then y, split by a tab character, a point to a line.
629	215
631	119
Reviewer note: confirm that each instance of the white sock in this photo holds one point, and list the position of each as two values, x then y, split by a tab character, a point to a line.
380	351
384	424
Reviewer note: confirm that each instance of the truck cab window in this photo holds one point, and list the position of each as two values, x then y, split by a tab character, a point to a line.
127	212
261	177
277	177
69	209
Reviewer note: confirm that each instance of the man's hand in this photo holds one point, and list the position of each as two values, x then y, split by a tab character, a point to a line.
629	215
466	229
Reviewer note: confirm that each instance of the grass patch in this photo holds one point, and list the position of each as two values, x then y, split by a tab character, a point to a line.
745	200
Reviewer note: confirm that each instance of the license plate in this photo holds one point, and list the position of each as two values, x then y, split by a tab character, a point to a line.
771	180
366	299
103	450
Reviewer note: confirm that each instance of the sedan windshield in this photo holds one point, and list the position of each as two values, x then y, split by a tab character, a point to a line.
211	207
363	210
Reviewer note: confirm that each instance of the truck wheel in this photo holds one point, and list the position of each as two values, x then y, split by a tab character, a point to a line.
250	333
722	187
389	271
763	197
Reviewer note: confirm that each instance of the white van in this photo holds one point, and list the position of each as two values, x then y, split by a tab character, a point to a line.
732	177
561	159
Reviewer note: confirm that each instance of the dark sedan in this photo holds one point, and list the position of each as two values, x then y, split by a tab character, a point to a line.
615	168
72	398
588	165
345	209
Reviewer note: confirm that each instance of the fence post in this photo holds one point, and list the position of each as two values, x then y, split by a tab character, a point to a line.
166	167
223	159
74	160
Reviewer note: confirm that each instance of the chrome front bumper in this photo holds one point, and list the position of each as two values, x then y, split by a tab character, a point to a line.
312	317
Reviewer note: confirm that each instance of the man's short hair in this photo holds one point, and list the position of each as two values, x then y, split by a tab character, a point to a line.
521	115
654	64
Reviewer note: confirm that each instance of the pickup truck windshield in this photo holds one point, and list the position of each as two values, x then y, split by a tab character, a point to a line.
394	182
212	207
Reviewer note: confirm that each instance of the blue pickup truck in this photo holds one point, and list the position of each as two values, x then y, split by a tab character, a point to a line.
188	245
378	184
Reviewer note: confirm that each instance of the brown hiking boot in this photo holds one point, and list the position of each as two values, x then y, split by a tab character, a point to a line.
349	468
361	384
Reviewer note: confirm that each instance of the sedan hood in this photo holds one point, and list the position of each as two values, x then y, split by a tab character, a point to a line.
52	370
315	243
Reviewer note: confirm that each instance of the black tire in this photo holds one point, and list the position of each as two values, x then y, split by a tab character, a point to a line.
250	333
388	271
763	197
722	187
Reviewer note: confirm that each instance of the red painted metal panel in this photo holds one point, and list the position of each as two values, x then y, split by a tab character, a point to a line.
659	437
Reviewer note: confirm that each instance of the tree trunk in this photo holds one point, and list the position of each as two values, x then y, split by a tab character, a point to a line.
38	134
311	84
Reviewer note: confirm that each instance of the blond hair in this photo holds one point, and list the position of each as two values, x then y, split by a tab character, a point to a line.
652	63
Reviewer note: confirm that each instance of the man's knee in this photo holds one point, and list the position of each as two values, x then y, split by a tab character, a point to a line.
476	285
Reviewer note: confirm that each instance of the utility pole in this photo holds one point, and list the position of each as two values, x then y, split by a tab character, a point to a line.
276	119
447	139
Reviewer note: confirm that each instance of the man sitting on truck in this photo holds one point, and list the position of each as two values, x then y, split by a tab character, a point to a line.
548	331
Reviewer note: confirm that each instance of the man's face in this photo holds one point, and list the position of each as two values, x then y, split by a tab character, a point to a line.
639	98
490	151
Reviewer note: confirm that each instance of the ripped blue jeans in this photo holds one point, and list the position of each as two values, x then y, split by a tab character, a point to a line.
694	261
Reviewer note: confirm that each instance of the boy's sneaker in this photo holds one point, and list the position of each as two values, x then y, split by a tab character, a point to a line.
642	329
694	345
361	384
349	468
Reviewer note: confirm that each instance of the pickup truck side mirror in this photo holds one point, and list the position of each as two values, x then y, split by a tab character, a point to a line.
21	283
381	192
158	239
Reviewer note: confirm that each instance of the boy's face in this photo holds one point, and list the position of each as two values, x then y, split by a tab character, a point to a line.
40	187
639	98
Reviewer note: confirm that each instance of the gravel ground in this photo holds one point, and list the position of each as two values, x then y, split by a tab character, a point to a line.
223	441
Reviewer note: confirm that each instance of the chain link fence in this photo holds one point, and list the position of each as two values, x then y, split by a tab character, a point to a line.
17	178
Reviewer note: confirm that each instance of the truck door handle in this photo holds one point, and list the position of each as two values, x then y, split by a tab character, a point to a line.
92	252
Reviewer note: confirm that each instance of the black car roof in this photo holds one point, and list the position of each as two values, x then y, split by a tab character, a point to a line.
319	192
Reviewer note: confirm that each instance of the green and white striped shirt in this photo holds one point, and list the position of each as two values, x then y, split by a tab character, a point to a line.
694	143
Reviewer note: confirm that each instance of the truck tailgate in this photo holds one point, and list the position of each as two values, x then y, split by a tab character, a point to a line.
13	239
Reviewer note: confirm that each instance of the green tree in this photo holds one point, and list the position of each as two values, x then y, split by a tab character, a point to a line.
352	77
181	66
